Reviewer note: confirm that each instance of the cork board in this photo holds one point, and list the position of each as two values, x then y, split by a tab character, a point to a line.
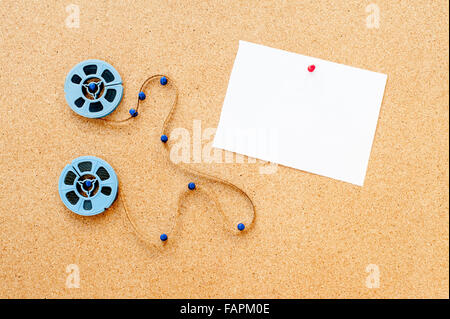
314	237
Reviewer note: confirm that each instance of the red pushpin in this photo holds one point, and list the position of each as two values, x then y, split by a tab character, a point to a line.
311	68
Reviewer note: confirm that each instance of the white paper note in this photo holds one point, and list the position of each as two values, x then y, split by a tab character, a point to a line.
321	122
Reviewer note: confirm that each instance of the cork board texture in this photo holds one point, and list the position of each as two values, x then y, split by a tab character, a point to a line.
313	237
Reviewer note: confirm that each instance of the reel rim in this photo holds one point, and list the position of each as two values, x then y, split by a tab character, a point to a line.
106	190
75	89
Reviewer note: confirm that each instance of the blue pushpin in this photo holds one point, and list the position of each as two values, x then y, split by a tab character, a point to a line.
163	80
133	112
163	237
92	87
88	183
241	226
164	138
141	96
191	186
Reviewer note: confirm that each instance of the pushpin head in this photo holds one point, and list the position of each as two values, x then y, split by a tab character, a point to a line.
311	68
141	96
92	87
133	112
241	226
163	237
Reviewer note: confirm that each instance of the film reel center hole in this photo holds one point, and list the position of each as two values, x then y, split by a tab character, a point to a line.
87	185
93	88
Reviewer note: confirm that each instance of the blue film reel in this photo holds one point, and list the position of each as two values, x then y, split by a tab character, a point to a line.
93	89
88	185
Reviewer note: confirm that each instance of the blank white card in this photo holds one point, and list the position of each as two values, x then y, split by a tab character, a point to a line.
321	122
